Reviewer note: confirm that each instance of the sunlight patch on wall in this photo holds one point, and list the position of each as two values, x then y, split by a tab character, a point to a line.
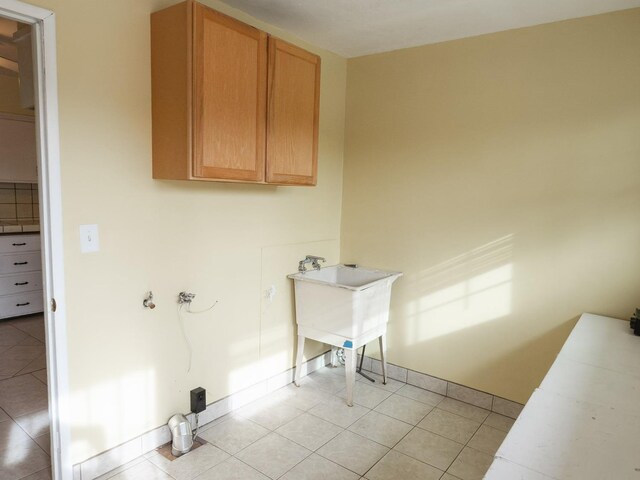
463	292
113	409
255	372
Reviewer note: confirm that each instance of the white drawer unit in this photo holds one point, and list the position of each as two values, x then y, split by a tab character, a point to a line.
21	304
20	275
20	283
19	243
20	262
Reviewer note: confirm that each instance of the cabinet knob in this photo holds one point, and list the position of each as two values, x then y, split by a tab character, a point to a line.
19	244
22	304
21	283
20	263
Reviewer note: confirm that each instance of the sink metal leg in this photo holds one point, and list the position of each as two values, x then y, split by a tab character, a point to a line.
351	358
359	369
383	357
296	378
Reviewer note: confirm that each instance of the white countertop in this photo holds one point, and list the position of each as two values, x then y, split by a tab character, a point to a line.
584	420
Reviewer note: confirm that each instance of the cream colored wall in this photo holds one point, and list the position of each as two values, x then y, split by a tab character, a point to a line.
501	173
516	149
128	366
10	96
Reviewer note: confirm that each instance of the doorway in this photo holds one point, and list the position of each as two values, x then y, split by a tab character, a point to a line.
49	327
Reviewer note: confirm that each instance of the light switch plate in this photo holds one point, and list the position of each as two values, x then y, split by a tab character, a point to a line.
89	240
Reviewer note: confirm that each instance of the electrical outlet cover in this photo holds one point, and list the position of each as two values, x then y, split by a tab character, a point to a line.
89	240
198	400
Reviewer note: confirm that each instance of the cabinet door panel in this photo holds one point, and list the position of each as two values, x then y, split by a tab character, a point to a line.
292	123
230	98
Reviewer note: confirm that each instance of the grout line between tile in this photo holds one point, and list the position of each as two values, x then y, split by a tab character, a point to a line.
343	429
252	468
32	374
39	471
256	440
454	460
346	468
443	380
314	451
311	452
29	435
466	445
119	470
395	445
474	433
393	418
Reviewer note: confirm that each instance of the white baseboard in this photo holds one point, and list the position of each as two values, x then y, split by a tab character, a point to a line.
465	394
134	448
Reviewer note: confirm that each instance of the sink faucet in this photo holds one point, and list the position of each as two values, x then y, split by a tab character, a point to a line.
313	260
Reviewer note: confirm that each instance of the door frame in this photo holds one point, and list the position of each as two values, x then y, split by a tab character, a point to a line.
50	192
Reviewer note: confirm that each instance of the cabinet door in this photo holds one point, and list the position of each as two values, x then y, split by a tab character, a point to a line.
293	113
18	149
230	66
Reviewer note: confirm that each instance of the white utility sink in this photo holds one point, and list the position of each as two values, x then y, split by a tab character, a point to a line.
345	307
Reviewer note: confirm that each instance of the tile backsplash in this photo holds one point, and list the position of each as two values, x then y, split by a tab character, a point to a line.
19	204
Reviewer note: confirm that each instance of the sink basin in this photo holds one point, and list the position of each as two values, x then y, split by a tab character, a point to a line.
346	277
344	307
341	303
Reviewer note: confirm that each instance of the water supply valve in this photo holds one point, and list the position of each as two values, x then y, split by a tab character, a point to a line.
186	297
148	301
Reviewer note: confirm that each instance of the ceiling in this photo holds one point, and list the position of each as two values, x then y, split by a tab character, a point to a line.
353	28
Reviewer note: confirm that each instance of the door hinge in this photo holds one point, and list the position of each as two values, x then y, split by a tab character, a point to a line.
54	305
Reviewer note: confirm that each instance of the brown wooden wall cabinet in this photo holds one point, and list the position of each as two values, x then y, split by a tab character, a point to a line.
230	103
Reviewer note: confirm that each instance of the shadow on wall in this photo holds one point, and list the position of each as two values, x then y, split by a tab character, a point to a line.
113	398
461	309
467	290
465	301
235	346
278	342
109	410
512	366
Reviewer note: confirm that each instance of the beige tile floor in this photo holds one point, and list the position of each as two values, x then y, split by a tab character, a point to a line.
394	431
24	419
